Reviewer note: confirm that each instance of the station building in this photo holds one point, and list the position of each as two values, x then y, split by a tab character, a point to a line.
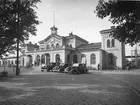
109	53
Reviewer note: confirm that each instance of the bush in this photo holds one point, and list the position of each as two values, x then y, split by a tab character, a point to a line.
4	73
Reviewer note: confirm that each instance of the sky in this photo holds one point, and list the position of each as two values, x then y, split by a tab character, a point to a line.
75	16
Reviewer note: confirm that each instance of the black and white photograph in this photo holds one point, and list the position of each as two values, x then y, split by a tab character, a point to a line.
69	52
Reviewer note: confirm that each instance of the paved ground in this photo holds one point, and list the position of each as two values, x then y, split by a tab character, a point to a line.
46	88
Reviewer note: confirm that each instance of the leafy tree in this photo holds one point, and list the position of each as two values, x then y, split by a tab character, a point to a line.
18	19
125	15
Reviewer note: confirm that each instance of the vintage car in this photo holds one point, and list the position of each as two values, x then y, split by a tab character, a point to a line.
49	67
78	68
60	68
55	68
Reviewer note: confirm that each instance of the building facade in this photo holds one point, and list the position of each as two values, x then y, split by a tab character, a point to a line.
109	53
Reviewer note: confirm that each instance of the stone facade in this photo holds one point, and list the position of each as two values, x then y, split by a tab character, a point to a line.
109	53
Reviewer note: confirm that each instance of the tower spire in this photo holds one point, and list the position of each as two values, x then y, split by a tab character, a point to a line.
53	18
54	29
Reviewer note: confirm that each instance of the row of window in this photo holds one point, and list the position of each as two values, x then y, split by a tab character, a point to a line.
12	62
110	43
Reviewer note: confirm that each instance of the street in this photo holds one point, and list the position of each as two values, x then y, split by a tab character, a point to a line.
48	88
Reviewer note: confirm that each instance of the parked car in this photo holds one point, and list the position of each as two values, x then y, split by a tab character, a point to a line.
49	67
55	68
78	68
62	67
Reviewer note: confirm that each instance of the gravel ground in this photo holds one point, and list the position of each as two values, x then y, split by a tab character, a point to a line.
37	88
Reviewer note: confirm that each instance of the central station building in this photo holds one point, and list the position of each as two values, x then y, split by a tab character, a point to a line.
109	53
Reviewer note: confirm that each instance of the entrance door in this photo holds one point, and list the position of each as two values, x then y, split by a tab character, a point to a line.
47	59
57	59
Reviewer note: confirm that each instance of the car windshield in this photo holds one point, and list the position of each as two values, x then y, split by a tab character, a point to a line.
76	64
62	64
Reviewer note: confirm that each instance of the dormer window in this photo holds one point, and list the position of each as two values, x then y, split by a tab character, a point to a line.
47	46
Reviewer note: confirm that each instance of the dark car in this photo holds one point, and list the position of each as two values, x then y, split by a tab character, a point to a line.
62	67
49	67
78	68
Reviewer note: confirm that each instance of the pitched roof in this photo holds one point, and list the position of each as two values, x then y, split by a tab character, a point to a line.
91	46
107	30
49	38
75	36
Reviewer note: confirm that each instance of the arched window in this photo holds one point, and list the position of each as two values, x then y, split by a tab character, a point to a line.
92	58
52	45
75	59
70	45
47	46
47	58
108	43
83	58
113	43
110	58
57	45
57	59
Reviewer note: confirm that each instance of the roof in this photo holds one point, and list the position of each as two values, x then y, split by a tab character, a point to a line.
91	46
107	30
49	38
75	36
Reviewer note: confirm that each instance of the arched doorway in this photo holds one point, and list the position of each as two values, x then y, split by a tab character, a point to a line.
110	59
57	59
47	59
30	60
83	59
75	59
43	59
37	60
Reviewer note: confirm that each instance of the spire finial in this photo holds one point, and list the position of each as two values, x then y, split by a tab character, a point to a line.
53	18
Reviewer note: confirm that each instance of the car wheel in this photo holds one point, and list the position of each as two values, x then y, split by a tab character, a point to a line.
42	70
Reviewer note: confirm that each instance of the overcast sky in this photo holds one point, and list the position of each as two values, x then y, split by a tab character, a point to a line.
70	15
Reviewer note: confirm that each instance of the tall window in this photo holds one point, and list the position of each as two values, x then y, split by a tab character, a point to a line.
57	59
113	43
47	46
52	45
75	59
83	58
110	58
92	58
43	59
23	61
108	43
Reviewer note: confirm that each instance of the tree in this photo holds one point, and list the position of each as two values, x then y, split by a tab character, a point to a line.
125	15
18	19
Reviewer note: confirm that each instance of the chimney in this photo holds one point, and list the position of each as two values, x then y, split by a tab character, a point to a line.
112	27
30	42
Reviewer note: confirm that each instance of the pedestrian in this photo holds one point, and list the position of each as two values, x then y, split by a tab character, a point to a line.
99	66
